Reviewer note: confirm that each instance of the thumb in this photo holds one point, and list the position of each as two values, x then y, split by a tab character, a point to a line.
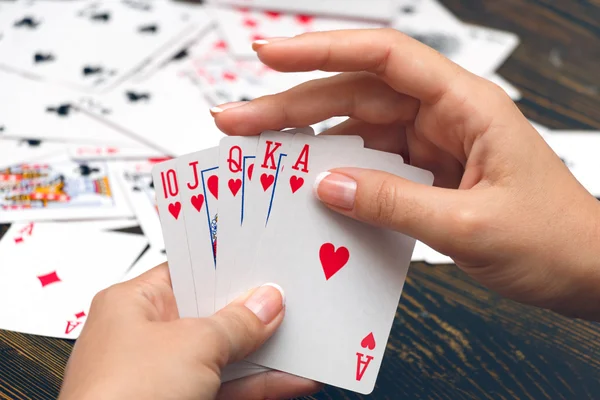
429	214
247	322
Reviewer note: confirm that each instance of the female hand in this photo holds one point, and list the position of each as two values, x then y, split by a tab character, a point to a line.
134	346
505	208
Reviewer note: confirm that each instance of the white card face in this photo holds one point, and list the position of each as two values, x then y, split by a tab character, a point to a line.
261	176
100	152
43	278
380	10
236	164
102	225
341	277
35	110
168	199
578	149
198	24
150	259
240	27
495	47
199	178
271	153
139	189
165	112
61	190
124	36
17	151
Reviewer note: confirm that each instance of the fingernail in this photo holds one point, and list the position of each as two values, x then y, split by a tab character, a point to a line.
226	106
257	44
336	190
266	302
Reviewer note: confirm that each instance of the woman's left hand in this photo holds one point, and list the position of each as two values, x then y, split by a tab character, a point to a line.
135	346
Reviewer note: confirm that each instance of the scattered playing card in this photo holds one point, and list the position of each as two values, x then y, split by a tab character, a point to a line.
380	10
241	26
50	272
182	123
60	190
53	40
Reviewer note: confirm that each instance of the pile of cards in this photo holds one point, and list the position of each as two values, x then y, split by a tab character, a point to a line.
245	214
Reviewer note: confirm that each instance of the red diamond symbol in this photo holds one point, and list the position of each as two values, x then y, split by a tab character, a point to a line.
80	315
229	76
220	44
18	240
48	279
250	23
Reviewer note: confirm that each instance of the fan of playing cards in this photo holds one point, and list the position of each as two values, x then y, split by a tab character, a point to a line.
244	213
95	94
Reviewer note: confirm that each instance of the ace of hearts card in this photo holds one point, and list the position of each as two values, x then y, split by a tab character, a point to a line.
342	278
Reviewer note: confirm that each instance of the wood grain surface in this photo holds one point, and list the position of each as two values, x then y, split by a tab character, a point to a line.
452	338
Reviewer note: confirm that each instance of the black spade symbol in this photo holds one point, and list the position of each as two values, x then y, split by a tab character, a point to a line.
181	55
27	22
89	70
152	28
134	97
33	142
86	170
63	110
43	57
102	17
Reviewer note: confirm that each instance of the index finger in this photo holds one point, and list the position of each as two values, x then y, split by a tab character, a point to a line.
405	64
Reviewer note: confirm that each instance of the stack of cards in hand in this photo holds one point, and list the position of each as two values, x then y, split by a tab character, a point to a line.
245	213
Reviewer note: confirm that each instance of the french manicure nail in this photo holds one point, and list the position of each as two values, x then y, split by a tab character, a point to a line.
257	44
336	190
219	109
266	302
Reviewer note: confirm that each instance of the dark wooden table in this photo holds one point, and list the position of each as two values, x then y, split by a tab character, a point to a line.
452	338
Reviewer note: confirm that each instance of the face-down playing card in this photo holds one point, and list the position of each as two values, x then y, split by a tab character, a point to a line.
342	278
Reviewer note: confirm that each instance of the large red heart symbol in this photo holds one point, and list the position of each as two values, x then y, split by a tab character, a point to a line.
296	183
234	185
213	185
197	201
250	171
266	180
174	209
332	260
368	342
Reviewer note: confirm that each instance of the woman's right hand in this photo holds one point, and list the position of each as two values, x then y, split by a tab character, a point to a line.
505	208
